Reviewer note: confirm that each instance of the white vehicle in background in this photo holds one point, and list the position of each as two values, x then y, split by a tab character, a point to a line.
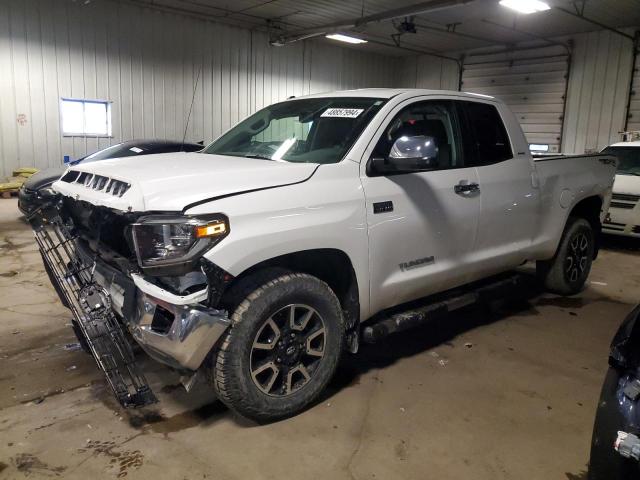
624	211
308	226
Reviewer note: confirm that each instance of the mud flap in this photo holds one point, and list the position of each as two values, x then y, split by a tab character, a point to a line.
91	308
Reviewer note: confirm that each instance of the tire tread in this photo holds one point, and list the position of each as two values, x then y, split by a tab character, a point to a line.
224	362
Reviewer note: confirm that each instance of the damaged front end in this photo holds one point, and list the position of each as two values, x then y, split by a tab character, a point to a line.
116	275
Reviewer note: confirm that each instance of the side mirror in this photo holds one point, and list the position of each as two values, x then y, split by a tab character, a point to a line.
409	154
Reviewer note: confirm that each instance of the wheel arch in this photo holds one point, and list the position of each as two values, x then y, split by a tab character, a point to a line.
331	265
590	209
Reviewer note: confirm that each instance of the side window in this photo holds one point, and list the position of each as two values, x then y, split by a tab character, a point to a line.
487	134
436	119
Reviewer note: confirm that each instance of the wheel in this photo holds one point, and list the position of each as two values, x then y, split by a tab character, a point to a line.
568	270
282	349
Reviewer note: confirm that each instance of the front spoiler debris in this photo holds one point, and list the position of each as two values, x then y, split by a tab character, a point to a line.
91	308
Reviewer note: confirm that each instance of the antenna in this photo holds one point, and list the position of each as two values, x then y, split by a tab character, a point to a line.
193	97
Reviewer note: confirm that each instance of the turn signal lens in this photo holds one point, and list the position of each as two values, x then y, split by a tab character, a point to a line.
211	230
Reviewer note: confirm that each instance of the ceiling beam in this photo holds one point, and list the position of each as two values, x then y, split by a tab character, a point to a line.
594	22
415	9
409	47
453	32
529	34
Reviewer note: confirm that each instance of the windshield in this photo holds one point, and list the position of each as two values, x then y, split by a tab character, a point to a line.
313	130
628	159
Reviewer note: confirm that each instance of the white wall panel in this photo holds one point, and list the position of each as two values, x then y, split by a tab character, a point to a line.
426	71
598	89
146	63
633	122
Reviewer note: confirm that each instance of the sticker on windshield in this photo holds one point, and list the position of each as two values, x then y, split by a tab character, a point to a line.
342	112
136	149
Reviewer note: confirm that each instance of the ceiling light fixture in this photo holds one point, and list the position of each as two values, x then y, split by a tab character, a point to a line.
345	38
525	6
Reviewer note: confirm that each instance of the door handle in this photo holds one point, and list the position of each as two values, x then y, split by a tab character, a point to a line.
461	189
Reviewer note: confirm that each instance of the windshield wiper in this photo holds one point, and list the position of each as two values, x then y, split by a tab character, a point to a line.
629	173
257	155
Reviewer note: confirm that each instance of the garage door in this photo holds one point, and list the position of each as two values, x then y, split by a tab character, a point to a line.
532	82
634	99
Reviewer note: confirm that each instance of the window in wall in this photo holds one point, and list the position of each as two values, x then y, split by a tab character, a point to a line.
85	117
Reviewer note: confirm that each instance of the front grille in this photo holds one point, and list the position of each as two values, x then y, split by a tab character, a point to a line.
90	305
96	182
625	196
625	206
615	226
99	225
636	229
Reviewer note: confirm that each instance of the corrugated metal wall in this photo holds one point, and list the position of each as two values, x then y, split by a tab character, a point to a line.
598	89
633	122
426	71
532	82
146	62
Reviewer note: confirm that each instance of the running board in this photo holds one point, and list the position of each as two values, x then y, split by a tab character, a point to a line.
431	310
91	308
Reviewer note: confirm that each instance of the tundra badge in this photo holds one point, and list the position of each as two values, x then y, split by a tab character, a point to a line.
419	262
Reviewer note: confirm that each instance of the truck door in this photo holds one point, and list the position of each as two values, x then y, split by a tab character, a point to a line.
422	226
508	198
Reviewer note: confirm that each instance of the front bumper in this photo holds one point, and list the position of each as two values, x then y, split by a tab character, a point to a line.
27	201
175	330
186	338
623	218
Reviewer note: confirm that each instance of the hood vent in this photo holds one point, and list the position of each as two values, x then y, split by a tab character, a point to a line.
99	183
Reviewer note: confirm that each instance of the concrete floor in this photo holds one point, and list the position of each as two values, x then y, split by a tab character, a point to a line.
486	395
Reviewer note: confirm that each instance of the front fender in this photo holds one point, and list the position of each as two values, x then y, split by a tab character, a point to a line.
326	212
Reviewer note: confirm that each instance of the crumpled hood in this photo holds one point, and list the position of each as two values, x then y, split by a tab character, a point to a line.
629	184
172	181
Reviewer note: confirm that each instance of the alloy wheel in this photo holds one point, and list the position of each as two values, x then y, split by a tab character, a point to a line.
287	350
577	258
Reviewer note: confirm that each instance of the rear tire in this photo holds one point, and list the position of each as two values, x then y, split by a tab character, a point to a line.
567	272
282	349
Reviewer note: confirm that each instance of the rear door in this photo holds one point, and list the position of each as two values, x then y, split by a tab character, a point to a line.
422	226
508	198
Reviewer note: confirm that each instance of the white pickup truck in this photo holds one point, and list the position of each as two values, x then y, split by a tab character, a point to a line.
624	211
260	259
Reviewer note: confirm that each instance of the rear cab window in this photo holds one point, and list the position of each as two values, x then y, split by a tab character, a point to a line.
484	134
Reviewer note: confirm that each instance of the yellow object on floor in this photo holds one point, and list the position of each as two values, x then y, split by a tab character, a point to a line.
9	186
20	172
20	175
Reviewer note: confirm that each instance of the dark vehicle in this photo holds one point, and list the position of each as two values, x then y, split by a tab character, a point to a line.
615	446
36	188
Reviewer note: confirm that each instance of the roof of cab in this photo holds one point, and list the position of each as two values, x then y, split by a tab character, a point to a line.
392	92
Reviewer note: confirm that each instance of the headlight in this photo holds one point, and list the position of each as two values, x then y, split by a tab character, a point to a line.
46	192
163	240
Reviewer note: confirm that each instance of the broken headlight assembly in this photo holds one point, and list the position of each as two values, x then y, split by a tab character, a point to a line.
169	244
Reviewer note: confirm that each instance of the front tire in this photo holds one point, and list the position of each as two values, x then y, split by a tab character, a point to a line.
282	349
567	272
